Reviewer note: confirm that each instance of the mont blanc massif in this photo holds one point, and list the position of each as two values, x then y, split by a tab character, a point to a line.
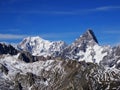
38	64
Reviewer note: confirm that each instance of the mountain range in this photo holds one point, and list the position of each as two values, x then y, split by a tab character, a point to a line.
38	64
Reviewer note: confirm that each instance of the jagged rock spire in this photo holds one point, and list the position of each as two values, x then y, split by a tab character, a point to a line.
87	38
91	35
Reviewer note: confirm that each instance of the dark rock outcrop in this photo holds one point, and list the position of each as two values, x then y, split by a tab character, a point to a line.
27	57
3	69
8	49
17	86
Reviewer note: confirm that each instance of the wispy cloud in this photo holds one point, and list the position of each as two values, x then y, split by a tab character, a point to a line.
62	12
112	32
98	9
54	12
46	35
60	35
106	8
81	11
11	36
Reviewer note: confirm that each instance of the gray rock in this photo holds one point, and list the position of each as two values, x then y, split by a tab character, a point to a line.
3	69
7	49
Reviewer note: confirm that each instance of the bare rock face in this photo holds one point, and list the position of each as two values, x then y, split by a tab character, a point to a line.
27	57
3	69
66	75
112	59
88	39
7	49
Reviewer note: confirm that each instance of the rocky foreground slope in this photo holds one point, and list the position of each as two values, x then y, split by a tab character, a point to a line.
83	65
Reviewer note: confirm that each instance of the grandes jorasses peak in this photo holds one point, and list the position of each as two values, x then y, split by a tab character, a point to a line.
40	47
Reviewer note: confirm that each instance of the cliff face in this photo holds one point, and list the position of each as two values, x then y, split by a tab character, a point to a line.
7	49
61	75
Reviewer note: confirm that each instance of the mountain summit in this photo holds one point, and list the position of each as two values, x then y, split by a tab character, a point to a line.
91	35
40	47
85	48
87	38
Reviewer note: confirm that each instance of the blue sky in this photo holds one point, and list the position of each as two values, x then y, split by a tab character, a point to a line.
59	19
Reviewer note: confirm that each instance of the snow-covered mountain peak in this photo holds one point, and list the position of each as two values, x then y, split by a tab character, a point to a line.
35	38
87	38
40	47
32	41
91	35
86	48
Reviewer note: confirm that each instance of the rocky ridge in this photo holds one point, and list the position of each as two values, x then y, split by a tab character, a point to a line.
83	65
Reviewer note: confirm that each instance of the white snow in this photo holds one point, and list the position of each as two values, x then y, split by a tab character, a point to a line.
40	47
14	65
98	55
